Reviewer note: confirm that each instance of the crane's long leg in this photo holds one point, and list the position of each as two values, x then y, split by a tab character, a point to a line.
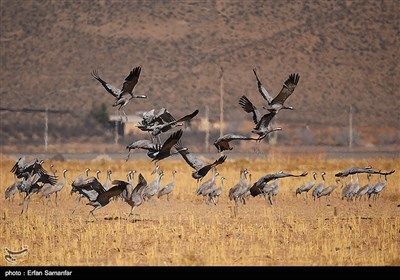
126	117
155	168
76	203
56	199
48	200
270	199
25	203
129	154
131	213
91	212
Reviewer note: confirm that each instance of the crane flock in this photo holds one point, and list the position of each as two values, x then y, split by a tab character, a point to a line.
32	177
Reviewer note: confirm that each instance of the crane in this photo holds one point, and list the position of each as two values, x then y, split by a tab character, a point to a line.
168	187
263	122
257	186
125	94
222	143
307	186
277	103
201	168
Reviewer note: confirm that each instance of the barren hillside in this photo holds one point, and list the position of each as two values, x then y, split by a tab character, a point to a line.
346	53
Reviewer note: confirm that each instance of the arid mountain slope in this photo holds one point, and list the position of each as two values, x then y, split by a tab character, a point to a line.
346	53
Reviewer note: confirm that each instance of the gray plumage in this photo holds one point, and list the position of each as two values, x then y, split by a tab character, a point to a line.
257	186
141	144
307	186
136	199
49	189
222	143
329	190
201	168
263	122
364	190
216	193
206	188
153	187
355	170
318	188
235	193
277	103
125	94
169	187
12	189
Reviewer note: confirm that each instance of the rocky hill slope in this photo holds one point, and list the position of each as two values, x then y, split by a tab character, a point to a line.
346	53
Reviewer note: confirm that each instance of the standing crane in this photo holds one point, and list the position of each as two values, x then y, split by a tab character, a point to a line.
153	187
206	188
307	186
167	190
49	189
238	190
12	189
318	188
329	190
216	193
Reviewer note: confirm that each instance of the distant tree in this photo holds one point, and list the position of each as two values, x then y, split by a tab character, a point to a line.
100	114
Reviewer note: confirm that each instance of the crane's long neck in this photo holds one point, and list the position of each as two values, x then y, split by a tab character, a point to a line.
174	177
65	178
158	180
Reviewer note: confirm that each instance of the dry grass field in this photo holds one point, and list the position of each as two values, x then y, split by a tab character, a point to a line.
184	231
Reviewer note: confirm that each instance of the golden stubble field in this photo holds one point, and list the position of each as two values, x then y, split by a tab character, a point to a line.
184	231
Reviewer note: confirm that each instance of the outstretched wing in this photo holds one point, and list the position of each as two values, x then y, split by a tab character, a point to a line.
288	87
264	93
90	183
140	185
188	117
141	144
105	197
283	175
132	79
164	116
171	141
249	108
256	189
204	170
110	88
46	179
224	139
191	159
19	165
167	126
265	120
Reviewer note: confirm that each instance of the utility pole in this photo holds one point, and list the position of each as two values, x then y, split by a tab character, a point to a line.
221	104
116	133
207	128
350	127
46	128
